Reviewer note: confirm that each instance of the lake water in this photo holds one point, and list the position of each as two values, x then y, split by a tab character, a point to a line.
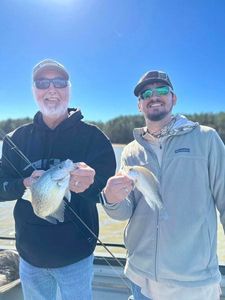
111	231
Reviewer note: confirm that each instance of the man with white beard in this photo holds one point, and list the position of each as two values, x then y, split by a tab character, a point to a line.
59	254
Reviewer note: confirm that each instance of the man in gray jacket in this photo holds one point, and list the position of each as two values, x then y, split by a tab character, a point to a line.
172	250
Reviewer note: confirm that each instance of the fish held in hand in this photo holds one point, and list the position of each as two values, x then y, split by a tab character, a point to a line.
48	191
147	183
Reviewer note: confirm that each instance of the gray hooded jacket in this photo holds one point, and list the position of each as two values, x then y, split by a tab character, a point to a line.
177	243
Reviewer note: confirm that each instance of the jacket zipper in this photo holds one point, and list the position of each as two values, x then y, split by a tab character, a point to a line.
156	244
157	218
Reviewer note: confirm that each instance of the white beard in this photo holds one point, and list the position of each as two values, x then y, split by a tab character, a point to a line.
54	111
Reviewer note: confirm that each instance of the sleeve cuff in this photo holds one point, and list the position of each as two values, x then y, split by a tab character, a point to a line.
103	200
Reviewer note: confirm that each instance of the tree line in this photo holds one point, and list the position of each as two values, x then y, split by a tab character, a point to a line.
120	129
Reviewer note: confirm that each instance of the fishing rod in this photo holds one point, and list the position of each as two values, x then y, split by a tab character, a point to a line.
15	148
101	243
95	236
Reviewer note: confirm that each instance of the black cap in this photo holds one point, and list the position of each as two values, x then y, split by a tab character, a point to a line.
151	77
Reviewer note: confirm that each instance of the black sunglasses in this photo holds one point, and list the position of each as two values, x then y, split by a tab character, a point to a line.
44	83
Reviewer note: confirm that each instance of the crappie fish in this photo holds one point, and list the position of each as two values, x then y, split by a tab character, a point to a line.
146	182
48	191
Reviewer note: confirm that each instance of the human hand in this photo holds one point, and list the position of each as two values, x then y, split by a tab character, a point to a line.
118	188
81	177
28	181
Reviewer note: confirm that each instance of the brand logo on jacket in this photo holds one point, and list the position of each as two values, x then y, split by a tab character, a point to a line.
182	150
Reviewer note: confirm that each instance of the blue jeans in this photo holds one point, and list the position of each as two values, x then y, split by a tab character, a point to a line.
136	290
74	281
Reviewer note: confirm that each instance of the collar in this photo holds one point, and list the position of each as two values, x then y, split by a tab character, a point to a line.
159	134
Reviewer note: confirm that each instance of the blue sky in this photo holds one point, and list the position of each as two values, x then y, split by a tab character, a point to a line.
107	45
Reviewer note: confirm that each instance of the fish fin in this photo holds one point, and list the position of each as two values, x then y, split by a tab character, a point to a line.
156	203
150	203
50	219
159	204
27	195
59	213
68	195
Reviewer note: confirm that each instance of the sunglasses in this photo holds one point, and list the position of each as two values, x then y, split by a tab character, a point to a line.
58	83
159	91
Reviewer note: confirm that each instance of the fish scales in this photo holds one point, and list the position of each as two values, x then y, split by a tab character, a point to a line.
48	191
147	183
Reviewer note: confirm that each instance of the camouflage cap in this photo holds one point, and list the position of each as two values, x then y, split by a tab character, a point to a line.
49	64
151	77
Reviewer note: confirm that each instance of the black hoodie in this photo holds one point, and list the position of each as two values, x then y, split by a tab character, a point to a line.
39	242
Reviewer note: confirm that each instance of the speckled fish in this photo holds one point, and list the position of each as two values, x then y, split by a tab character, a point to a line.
146	182
48	191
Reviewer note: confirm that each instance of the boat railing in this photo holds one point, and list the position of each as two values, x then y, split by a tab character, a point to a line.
101	261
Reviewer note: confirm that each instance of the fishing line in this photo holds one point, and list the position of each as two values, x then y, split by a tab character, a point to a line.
14	147
95	236
22	155
101	243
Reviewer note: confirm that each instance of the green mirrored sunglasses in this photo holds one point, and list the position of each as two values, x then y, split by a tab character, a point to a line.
159	91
